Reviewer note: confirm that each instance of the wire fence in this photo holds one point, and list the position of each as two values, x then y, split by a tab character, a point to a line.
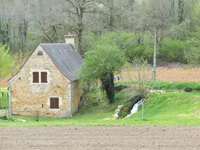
36	115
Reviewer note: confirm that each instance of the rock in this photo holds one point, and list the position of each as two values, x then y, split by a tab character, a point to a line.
121	107
117	111
115	116
21	120
107	119
128	116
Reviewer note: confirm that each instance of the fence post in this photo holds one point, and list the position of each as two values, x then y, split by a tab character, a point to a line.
34	114
6	112
154	56
142	109
124	77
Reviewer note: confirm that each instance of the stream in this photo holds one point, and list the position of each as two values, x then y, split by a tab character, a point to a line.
135	107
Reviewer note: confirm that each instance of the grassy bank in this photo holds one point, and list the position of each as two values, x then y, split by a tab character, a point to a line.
169	108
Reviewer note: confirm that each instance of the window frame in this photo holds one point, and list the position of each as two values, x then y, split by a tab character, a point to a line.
54	100
36	77
42	79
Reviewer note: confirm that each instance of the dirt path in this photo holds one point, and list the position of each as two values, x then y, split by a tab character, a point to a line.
111	138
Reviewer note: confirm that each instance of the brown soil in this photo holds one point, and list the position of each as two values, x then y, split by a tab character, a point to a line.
179	75
3	83
184	75
111	138
163	74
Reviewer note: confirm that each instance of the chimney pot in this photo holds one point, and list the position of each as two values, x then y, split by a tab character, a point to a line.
69	39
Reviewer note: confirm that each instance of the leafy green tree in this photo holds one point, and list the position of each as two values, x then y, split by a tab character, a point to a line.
100	63
6	65
193	54
173	51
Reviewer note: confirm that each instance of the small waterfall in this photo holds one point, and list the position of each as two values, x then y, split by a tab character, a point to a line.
135	107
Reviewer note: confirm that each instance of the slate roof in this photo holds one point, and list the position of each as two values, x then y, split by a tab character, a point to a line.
65	57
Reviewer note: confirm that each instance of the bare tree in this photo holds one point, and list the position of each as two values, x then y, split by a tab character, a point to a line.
108	10
14	24
76	12
47	17
138	71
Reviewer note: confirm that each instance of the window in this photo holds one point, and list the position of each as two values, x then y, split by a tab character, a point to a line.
40	53
54	103
43	77
35	77
40	77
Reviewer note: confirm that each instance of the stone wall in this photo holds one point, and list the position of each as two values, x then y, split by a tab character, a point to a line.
28	96
76	95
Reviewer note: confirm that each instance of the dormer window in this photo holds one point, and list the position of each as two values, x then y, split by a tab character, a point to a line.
40	53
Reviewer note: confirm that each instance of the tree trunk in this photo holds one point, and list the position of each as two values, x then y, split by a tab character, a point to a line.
80	41
108	85
110	89
180	7
154	56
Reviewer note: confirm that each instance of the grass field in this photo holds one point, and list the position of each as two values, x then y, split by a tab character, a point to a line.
4	100
171	108
5	90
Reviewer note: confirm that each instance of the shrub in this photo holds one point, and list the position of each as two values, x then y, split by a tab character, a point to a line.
122	114
197	88
188	89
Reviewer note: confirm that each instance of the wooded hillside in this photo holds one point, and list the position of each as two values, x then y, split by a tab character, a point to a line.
129	23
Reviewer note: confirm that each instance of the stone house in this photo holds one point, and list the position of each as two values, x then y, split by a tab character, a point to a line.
48	82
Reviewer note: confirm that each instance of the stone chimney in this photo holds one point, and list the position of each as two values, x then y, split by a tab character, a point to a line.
69	39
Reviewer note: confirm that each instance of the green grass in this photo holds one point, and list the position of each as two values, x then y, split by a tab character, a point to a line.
169	108
3	100
165	85
5	90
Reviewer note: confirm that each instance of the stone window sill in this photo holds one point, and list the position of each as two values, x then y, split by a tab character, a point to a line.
54	109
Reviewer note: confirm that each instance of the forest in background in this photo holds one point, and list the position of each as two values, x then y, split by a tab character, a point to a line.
128	23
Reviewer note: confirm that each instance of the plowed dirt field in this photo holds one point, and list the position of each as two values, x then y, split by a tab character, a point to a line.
179	75
104	138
